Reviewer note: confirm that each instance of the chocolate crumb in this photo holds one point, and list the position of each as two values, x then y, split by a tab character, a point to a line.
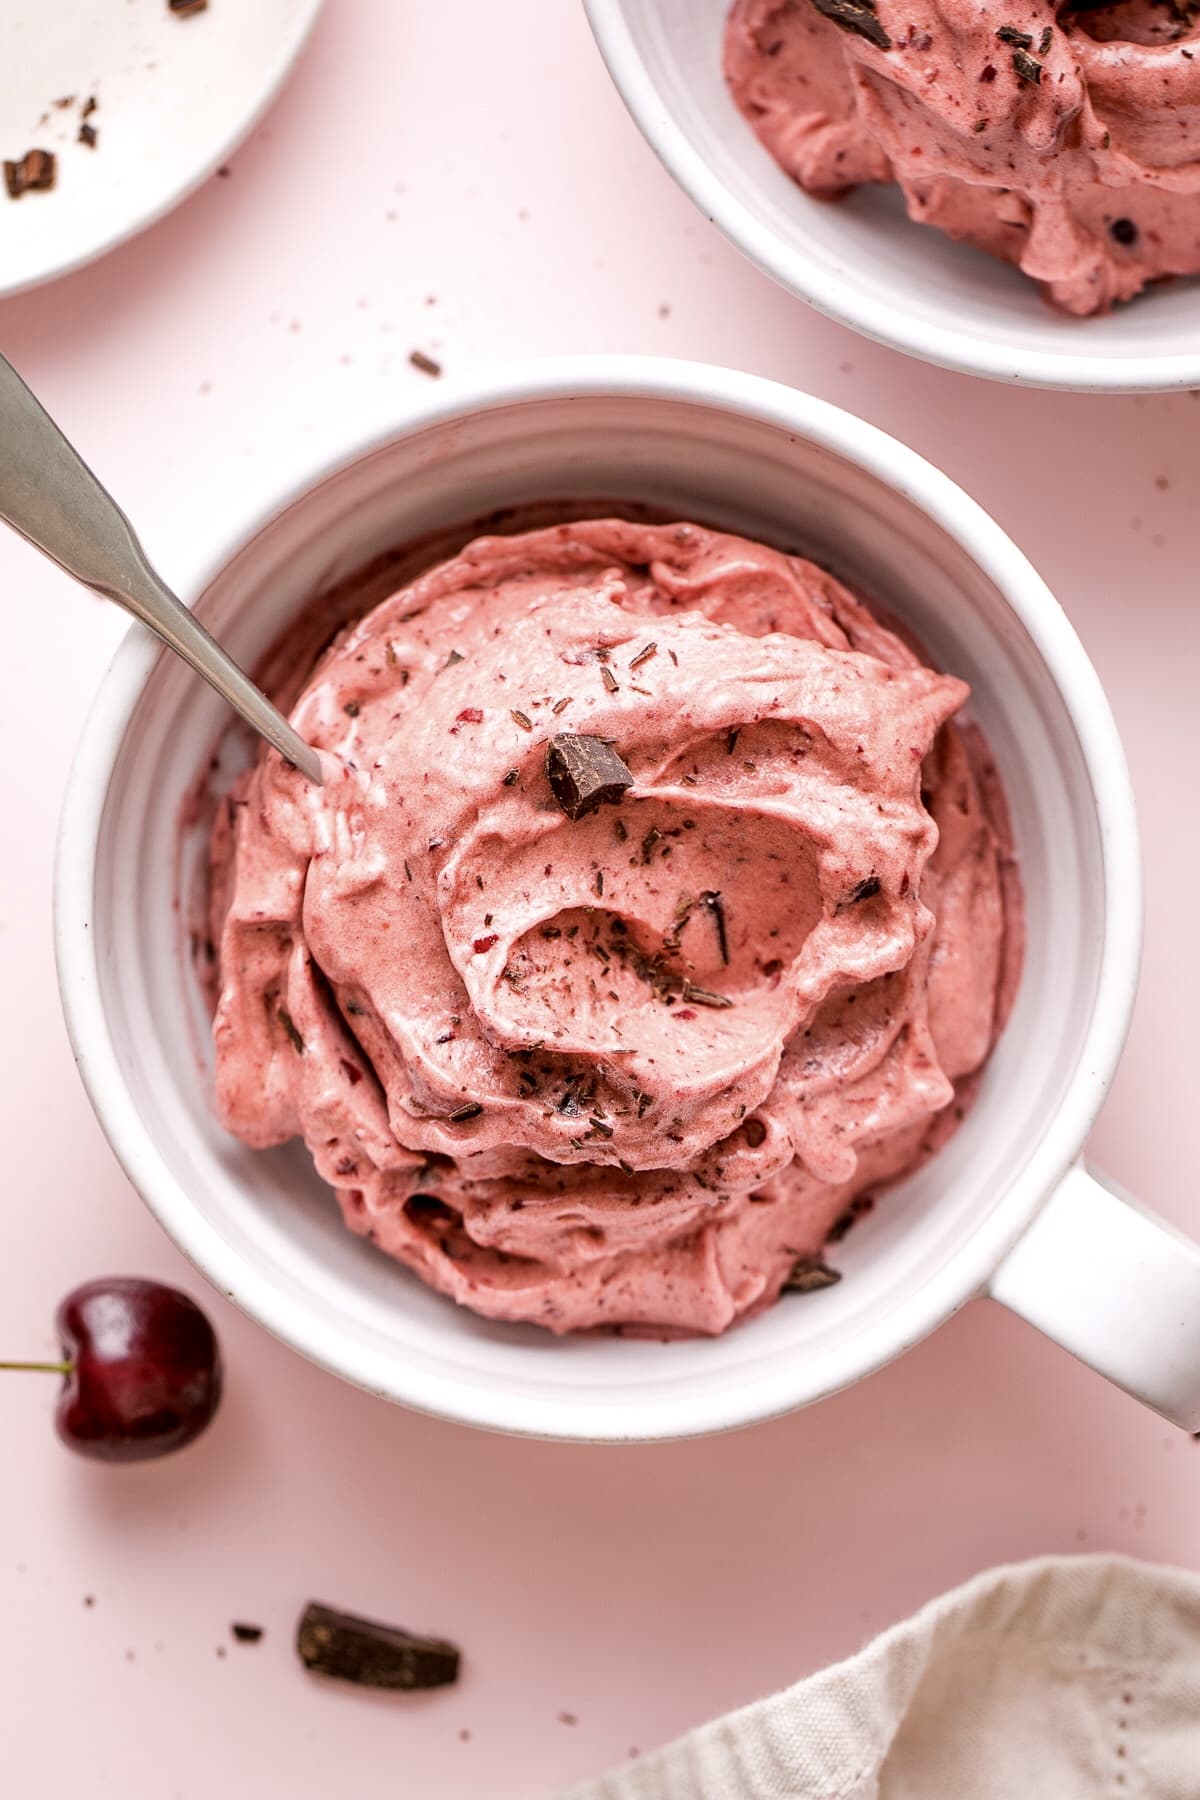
372	1655
35	173
585	773
809	1274
1046	41
1123	231
471	1110
246	1634
89	135
511	779
183	9
425	364
863	890
567	1718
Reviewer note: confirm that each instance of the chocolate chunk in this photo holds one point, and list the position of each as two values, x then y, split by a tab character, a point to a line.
89	135
246	1634
183	9
858	16
585	773
471	1110
1028	68
426	364
809	1274
371	1655
1046	41
34	173
863	890
1020	40
1123	231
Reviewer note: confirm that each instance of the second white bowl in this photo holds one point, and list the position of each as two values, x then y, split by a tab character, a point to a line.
862	260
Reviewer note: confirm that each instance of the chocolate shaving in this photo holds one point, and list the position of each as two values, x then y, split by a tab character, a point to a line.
35	173
455	656
714	906
521	719
609	679
1047	40
183	9
808	1275
471	1110
371	1655
855	15
424	363
705	997
1019	40
1028	68
289	1025
644	655
246	1634
585	773
511	779
863	890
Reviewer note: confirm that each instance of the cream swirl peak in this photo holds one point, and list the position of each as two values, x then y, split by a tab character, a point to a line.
626	1059
1062	138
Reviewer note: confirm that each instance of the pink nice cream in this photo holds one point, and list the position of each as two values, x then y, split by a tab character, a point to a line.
656	911
1064	138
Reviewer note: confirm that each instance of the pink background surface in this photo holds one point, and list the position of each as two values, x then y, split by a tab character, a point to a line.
465	181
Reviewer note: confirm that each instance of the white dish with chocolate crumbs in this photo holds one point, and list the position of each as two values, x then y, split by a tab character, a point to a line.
113	114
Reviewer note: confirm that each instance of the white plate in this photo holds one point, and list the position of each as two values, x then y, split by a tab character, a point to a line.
174	95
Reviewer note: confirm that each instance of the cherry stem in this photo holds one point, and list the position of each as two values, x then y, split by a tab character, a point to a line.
41	1368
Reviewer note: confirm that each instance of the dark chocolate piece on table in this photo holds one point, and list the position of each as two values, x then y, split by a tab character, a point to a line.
858	16
809	1274
585	773
371	1655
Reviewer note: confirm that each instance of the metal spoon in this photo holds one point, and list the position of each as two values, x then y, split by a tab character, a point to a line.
49	495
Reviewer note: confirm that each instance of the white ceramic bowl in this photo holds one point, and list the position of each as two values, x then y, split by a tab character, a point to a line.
863	261
745	453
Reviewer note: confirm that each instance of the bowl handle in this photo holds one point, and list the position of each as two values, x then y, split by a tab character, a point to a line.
1117	1287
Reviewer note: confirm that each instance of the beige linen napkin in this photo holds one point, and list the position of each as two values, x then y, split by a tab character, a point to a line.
1070	1678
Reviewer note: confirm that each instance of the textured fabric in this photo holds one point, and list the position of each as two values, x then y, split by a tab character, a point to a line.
1074	1678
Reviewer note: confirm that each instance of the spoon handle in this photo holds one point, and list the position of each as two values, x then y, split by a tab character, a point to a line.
50	496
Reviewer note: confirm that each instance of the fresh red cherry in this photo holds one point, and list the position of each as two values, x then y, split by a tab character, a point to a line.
141	1369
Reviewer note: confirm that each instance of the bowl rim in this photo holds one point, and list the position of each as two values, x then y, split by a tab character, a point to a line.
791	1383
836	295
